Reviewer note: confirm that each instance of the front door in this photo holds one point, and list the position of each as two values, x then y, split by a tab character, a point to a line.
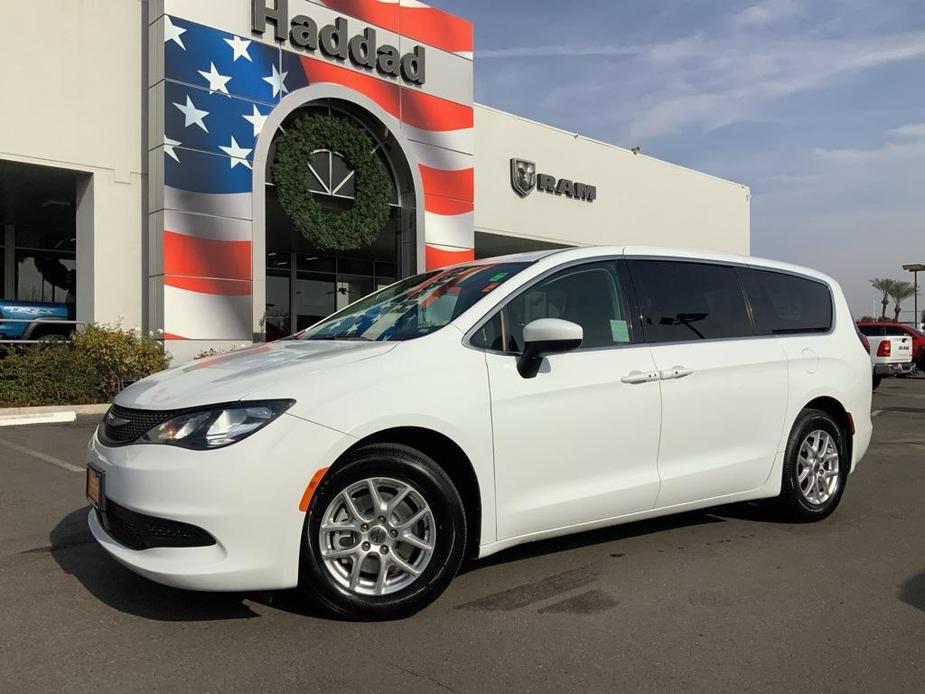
578	442
724	390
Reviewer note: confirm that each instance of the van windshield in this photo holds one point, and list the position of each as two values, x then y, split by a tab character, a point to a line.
414	307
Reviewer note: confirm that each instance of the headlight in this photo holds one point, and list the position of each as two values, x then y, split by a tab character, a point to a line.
218	426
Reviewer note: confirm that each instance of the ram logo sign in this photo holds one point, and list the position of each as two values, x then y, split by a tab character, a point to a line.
523	176
525	179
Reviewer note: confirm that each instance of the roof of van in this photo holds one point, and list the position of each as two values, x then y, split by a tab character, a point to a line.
577	253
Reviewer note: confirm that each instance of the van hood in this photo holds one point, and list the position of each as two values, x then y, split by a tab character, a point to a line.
233	376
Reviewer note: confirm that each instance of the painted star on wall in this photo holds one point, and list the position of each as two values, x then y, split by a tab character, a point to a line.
193	115
239	46
278	81
257	120
169	148
237	153
173	33
217	82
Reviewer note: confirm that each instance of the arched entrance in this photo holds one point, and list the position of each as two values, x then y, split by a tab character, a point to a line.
303	284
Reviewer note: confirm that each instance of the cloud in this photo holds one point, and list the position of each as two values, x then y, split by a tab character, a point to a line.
910	130
730	79
767	12
711	81
575	51
890	150
913	145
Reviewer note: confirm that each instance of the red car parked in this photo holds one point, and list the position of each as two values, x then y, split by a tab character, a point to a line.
898	329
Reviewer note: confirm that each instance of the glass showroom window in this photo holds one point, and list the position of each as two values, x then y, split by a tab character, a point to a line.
46	266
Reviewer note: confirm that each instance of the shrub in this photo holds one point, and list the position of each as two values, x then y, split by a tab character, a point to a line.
53	376
121	357
98	363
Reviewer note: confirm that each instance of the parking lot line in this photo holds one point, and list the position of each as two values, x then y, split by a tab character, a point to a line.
50	459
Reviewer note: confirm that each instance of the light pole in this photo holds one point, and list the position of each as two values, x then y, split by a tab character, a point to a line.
915	269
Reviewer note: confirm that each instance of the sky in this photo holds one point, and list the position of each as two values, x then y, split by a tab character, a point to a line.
817	105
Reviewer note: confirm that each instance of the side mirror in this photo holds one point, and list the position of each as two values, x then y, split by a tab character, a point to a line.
544	337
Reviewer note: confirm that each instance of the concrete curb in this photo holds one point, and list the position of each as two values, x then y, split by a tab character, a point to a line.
53	409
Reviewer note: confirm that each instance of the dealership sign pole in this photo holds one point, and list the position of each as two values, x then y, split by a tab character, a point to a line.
915	269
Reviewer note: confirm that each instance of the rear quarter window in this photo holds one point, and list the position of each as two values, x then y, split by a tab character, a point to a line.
785	304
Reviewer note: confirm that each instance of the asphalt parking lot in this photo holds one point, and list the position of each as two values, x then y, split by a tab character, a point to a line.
723	600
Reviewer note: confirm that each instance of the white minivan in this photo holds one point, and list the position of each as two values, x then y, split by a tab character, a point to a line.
472	408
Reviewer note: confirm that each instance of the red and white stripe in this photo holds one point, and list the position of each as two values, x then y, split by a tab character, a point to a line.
207	269
412	19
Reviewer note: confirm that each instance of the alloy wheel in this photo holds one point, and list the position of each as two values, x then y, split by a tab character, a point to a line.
818	467
377	536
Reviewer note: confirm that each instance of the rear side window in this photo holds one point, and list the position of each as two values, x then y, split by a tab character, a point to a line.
785	304
682	301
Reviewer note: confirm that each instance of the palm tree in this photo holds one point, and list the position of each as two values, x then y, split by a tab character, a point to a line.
900	291
883	285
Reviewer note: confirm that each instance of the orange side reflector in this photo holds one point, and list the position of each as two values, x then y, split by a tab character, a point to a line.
310	489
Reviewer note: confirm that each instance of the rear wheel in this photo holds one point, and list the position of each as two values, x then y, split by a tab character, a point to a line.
816	467
51	335
877	381
384	534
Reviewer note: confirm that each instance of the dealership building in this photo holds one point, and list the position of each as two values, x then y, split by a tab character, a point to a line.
228	171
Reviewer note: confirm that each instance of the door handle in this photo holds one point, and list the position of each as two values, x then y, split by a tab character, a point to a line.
674	372
634	377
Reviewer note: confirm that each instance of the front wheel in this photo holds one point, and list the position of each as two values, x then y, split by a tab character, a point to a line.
816	467
384	534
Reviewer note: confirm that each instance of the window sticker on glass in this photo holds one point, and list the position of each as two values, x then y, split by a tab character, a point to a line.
497	277
619	330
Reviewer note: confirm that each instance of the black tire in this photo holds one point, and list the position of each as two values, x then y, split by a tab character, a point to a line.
793	505
51	335
877	381
412	468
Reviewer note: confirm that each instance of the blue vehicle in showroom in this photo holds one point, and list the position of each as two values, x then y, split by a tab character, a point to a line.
36	320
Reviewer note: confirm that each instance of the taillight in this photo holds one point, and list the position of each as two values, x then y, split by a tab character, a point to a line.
865	342
885	349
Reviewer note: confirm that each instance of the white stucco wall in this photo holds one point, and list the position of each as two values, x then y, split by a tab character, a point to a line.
640	200
72	79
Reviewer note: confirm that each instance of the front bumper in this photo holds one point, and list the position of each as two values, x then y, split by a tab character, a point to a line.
246	496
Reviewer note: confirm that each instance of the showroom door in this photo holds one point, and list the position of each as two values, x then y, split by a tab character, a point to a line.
578	442
724	390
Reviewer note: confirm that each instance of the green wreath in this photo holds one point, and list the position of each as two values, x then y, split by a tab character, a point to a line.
331	229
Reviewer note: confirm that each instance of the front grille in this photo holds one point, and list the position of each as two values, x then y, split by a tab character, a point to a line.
123	425
139	531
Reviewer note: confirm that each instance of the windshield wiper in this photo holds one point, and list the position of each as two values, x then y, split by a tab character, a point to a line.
352	338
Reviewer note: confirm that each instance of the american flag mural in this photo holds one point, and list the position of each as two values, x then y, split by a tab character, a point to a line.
218	87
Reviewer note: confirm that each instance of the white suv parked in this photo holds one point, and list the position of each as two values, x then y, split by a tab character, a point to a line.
473	408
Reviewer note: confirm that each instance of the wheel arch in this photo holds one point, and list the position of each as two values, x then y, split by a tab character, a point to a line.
49	326
834	408
451	458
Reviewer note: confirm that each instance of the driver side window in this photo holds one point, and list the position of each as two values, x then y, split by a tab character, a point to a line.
589	295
